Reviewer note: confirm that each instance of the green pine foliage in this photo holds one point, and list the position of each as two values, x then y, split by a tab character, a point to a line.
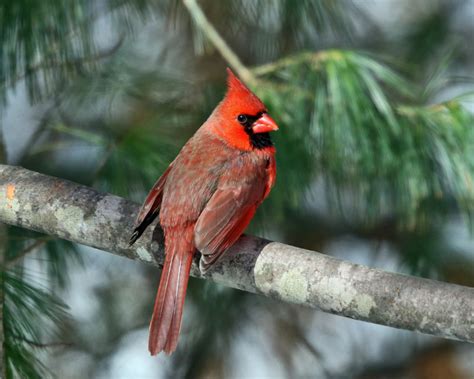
48	43
379	151
31	316
32	313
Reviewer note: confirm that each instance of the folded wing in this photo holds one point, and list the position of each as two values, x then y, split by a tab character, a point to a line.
229	211
150	208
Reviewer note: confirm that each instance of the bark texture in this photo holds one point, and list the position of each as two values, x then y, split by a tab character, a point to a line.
81	214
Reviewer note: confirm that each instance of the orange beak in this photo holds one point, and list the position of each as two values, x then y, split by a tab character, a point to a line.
264	124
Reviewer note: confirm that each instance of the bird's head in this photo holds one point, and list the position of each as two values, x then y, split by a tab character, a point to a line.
243	120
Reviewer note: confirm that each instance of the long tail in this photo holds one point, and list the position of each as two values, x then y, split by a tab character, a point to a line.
166	320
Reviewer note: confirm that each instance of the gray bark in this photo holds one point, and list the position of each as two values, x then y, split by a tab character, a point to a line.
3	253
77	213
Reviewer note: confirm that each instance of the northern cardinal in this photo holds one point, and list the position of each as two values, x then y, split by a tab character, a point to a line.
206	198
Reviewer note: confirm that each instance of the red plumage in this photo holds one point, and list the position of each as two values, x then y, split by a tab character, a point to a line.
206	198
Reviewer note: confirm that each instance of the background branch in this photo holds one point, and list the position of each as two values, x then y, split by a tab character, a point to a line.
81	214
33	246
215	38
43	345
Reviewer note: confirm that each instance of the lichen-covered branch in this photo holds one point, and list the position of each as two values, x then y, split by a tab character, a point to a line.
3	254
81	214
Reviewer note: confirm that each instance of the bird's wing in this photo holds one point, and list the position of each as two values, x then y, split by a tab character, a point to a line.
228	212
221	223
150	207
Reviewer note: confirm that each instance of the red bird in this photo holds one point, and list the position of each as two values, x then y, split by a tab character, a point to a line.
206	198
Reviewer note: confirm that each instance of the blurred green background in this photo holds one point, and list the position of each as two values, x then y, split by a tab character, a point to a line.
375	155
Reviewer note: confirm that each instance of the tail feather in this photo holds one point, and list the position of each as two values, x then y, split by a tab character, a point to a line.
167	313
173	333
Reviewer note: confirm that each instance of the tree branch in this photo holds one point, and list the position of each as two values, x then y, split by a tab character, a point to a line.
215	38
43	345
81	214
3	254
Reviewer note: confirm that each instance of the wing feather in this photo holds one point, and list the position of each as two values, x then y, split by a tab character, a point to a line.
224	219
230	210
150	207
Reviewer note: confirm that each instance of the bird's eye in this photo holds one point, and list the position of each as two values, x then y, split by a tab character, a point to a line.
242	118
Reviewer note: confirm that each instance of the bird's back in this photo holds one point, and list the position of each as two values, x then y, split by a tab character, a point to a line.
193	178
